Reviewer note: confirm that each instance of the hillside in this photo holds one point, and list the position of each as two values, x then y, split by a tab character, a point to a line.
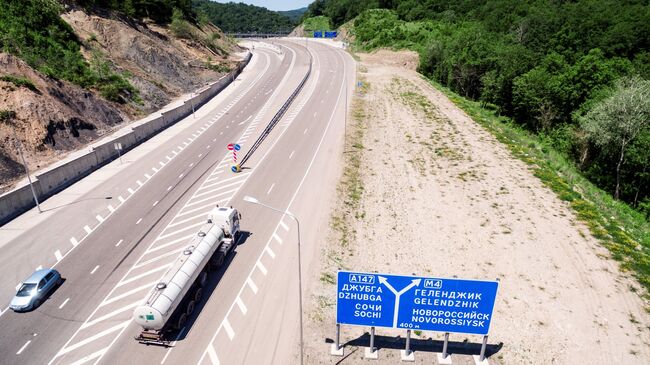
70	74
241	18
294	15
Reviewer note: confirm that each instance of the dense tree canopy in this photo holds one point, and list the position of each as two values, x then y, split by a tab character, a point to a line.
545	63
233	18
158	10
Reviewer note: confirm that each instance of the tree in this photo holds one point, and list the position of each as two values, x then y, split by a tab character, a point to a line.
615	123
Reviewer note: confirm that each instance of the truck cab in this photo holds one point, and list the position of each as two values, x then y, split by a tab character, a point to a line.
227	219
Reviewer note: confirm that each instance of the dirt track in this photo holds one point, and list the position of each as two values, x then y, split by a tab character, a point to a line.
441	197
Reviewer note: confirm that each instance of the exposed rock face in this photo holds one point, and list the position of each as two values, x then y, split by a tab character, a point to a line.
55	117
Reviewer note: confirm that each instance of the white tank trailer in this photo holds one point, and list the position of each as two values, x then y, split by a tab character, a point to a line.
173	299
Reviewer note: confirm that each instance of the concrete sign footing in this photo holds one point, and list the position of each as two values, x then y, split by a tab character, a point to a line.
372	355
335	352
477	360
443	361
410	357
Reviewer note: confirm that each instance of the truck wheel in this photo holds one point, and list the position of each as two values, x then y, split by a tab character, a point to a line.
203	278
190	307
198	294
181	321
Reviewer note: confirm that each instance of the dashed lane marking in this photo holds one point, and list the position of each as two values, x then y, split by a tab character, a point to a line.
87	229
155	203
99	218
277	238
241	305
270	252
284	225
110	208
119	243
64	303
95	269
139	220
270	189
291	154
24	347
130	191
74	241
58	255
261	267
229	331
251	285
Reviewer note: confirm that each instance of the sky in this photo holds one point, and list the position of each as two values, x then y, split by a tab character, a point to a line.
274	4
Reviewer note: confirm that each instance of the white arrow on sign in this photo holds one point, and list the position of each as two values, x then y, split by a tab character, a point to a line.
414	282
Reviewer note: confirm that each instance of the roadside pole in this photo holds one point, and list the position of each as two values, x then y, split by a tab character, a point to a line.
31	186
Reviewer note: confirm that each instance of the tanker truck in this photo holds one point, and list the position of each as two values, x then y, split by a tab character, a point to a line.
169	304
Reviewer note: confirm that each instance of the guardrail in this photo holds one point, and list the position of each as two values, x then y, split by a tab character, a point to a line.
50	182
276	118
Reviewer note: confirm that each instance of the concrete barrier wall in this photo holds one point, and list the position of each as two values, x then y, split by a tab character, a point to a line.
48	183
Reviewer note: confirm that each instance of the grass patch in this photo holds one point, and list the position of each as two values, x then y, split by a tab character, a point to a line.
20	82
621	229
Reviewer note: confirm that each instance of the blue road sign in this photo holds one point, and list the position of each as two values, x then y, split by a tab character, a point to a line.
237	147
330	34
412	302
318	34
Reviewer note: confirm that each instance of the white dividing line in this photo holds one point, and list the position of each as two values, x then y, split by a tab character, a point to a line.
118	243
99	218
250	284
64	303
110	208
130	191
271	188
180	176
95	269
277	238
271	253
291	154
284	225
171	345
88	230
122	200
241	305
228	328
139	220
23	348
169	188
74	241
147	176
155	203
58	255
261	267
305	132
249	117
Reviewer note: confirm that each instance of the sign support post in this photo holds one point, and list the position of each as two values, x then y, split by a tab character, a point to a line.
407	354
337	349
371	352
444	358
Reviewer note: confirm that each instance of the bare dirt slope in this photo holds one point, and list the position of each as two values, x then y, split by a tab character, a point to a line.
441	197
55	117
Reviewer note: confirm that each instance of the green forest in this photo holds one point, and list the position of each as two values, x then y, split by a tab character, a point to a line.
242	18
573	72
160	11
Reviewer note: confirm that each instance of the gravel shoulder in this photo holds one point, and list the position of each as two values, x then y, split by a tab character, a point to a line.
435	194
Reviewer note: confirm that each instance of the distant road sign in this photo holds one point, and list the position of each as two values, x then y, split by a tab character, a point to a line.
330	34
237	147
318	34
411	302
230	146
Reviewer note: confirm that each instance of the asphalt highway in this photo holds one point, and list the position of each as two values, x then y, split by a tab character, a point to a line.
250	313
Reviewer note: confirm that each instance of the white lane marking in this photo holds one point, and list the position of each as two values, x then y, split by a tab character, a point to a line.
99	218
58	255
314	114
261	267
139	182
64	303
251	285
169	188
221	133
291	154
214	140
147	176
88	230
114	299
146	273
162	164
118	243
192	164
202	215
212	355
92	356
111	314
130	191
305	132
271	253
277	238
23	348
122	200
154	169
186	228
180	176
74	241
39	267
241	305
249	117
18	286
228	328
155	203
271	188
90	339
110	208
157	258
139	220
95	269
207	147
171	345
284	225
168	158
200	154
203	207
